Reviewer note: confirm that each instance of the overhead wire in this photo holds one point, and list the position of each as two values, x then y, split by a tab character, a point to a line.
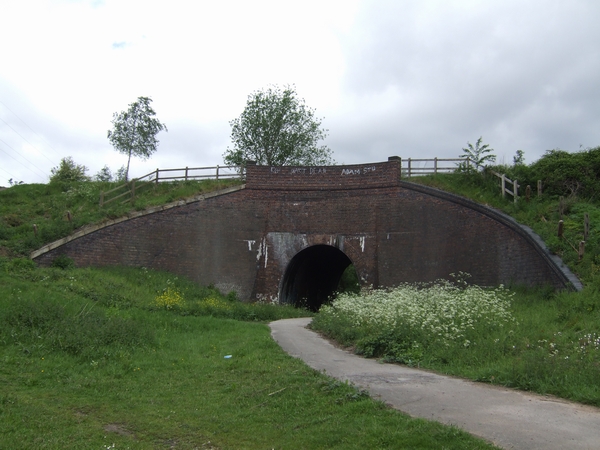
45	175
32	130
8	125
9	174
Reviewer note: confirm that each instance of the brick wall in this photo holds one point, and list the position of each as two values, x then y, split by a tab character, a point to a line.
392	231
358	176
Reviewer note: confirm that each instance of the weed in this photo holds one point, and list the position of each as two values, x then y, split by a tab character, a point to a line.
170	298
63	262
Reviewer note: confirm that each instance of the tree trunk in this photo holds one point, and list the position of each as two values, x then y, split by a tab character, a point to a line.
127	171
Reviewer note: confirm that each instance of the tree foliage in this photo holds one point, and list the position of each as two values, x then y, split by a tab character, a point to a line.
68	172
479	154
276	128
134	131
106	175
519	158
565	173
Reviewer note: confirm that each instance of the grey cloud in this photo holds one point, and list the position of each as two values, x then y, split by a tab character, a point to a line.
522	75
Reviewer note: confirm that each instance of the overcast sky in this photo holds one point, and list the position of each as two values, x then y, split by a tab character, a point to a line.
409	78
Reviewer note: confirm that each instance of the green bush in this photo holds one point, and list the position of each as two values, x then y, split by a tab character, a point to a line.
568	174
68	172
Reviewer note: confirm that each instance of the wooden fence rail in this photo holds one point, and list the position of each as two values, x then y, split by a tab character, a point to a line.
416	167
128	189
504	182
412	167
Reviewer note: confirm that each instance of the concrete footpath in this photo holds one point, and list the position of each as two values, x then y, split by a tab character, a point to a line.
508	418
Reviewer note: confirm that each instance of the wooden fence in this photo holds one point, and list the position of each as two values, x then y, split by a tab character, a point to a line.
127	190
411	167
504	182
415	167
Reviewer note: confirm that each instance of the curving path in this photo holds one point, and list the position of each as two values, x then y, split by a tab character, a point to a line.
510	419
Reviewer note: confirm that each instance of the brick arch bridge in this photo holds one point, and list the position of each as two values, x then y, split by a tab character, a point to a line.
290	232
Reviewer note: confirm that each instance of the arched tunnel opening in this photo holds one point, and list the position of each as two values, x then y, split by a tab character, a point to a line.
314	275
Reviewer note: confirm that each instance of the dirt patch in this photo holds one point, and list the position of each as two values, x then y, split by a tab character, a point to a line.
119	429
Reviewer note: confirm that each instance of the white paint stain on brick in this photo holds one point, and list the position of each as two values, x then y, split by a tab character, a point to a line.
250	244
263	250
266	251
362	243
284	246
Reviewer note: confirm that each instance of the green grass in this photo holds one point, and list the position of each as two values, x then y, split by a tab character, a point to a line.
89	359
48	206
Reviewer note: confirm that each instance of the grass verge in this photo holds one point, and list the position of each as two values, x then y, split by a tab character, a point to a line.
95	359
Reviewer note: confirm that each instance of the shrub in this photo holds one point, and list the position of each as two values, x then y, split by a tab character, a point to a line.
569	174
68	172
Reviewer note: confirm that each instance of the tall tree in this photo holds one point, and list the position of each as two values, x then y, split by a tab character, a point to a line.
276	128
134	131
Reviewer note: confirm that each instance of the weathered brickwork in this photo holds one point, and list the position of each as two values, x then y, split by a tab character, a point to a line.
392	231
324	178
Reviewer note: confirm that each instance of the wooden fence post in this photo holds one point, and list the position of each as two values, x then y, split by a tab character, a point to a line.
217	172
503	178
561	226
186	172
515	190
435	165
156	177
408	167
35	229
581	250
101	198
561	207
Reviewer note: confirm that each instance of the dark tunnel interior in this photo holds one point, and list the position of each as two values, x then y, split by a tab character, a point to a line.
313	276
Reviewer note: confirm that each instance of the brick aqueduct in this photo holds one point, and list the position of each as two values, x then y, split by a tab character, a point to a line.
290	232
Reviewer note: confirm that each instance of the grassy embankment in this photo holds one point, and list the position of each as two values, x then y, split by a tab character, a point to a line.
551	342
132	358
58	209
